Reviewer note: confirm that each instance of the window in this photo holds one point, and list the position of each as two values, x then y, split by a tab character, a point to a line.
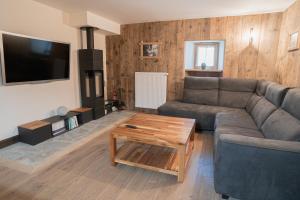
204	55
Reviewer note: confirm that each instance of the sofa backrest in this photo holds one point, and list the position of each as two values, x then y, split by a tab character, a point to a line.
275	93
262	86
268	104
201	90
260	92
252	102
235	93
284	123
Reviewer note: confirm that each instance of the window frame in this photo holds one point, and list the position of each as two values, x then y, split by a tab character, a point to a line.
216	46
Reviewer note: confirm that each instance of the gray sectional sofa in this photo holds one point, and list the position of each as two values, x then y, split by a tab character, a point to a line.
256	134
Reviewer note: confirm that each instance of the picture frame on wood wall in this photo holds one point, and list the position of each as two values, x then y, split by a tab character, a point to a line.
150	50
294	43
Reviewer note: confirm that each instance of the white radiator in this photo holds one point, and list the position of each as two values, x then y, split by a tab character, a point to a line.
150	89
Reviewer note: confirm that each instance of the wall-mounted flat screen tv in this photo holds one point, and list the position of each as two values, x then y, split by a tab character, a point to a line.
30	60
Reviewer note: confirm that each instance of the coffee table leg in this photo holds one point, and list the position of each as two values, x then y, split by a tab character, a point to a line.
113	149
181	164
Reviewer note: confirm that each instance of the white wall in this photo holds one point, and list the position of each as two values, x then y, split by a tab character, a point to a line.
24	103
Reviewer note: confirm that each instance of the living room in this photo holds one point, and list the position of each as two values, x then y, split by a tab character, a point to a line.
150	99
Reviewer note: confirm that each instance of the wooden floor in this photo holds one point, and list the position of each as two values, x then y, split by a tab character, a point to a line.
87	174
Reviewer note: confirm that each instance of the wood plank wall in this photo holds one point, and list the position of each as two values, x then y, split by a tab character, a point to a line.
243	59
288	63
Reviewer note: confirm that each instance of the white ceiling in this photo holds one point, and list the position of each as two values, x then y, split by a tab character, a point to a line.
135	11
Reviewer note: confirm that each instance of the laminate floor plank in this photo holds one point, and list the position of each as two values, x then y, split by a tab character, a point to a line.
87	174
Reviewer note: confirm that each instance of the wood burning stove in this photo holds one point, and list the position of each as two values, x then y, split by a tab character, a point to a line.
91	76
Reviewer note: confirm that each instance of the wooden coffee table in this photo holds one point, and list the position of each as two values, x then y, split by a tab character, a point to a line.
158	143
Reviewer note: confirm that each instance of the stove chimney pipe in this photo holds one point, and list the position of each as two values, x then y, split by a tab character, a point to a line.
89	37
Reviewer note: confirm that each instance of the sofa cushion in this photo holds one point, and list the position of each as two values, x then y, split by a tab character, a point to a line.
291	102
235	93
261	111
204	114
201	90
252	102
282	126
201	83
239	118
238	85
239	131
205	97
275	93
262	87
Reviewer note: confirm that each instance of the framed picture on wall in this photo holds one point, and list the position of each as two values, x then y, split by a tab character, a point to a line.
150	50
294	41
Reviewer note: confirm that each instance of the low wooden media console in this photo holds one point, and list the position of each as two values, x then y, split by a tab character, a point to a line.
40	130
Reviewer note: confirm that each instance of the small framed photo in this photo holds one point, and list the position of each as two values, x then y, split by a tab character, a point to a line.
294	41
150	50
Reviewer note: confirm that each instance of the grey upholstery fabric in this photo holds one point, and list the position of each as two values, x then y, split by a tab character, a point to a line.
251	168
200	83
291	102
235	93
256	148
275	93
204	114
262	87
205	97
252	102
238	85
239	131
282	126
238	118
201	90
261	111
234	99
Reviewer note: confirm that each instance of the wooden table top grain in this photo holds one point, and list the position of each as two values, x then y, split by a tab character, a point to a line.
154	142
156	129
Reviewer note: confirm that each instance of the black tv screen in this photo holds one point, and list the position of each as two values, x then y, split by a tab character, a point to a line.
28	59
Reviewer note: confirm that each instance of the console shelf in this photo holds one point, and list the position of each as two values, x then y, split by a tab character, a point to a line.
40	130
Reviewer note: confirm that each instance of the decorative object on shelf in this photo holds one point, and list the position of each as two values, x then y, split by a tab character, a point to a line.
85	115
62	111
294	43
58	127
150	50
114	96
72	123
203	66
113	105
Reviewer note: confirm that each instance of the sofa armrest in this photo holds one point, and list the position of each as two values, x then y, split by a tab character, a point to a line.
257	168
280	145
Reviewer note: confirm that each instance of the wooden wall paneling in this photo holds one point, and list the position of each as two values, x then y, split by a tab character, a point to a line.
180	68
287	65
268	45
170	40
242	59
218	28
232	46
249	52
196	29
113	44
281	59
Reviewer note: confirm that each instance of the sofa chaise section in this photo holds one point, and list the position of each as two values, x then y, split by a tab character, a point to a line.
252	166
256	134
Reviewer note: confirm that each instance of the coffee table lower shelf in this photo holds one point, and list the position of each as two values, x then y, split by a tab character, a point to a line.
151	157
